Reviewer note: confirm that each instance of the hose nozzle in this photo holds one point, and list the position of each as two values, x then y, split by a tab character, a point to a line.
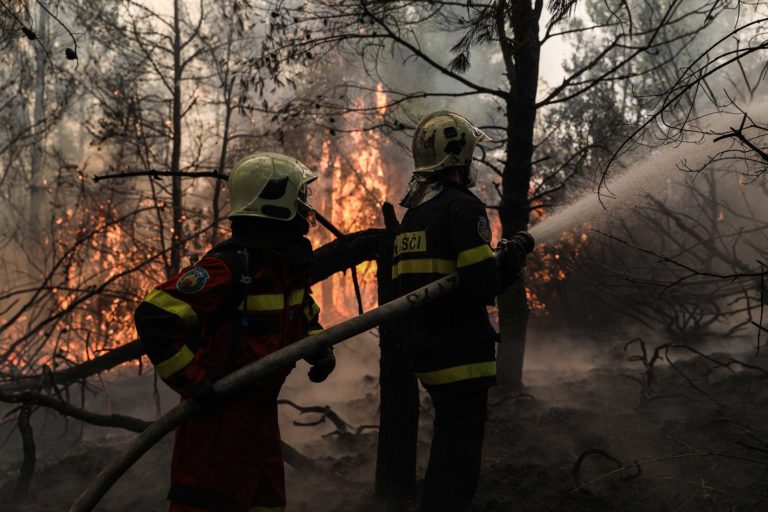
525	240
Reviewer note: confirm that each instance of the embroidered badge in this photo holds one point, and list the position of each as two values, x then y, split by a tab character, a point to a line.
484	229
193	280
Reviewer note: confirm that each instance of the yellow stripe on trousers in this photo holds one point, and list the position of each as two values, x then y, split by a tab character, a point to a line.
458	373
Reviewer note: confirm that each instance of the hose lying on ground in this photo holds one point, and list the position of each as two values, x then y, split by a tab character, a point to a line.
246	375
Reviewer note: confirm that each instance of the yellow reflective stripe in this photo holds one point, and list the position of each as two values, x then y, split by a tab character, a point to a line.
273	301
458	373
266	509
475	255
174	363
423	266
314	331
296	297
172	305
265	302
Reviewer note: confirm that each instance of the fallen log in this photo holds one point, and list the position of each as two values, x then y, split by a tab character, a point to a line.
248	374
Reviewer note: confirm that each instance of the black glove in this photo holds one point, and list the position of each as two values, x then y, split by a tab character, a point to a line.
511	255
323	363
205	395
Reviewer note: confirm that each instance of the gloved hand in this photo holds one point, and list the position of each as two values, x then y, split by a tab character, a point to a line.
323	363
205	395
511	254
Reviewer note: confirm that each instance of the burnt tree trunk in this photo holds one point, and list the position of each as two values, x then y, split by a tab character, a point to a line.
521	57
399	404
327	205
176	192
38	190
23	483
229	84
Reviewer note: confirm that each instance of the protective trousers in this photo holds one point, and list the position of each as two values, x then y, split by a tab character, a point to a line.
229	459
453	471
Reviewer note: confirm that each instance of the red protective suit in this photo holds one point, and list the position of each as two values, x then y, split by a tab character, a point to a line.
204	323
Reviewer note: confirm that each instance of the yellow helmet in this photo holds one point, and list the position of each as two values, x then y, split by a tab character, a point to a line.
444	139
269	185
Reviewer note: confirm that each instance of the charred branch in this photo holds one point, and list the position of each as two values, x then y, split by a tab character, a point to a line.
591	452
327	413
79	372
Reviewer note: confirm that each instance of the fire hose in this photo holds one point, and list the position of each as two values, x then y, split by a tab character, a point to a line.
264	366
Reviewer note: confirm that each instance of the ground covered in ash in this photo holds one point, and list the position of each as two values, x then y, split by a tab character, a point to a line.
695	440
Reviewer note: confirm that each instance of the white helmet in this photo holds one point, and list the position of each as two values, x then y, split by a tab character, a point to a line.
270	185
444	139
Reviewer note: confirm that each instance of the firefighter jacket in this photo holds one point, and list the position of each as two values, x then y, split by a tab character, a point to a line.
242	301
234	306
450	340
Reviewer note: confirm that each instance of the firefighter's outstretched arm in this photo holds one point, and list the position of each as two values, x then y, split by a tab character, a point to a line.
171	319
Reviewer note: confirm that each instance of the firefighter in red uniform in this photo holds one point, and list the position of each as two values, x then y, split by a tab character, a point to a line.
450	343
247	297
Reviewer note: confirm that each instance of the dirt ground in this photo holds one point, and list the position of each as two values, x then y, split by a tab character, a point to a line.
697	442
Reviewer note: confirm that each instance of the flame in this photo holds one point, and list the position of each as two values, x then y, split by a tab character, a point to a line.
91	294
356	180
381	99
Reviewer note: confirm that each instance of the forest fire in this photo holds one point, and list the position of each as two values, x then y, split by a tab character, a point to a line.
620	371
551	266
354	187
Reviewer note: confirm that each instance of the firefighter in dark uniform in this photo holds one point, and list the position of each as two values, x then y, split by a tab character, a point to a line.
247	297
451	343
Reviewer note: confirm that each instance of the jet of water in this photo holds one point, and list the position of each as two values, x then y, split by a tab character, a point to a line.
649	175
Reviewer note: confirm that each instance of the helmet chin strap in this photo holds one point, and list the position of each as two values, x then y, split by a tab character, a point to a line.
470	176
306	211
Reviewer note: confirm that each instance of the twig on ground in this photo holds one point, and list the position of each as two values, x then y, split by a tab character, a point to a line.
342	427
527	397
575	472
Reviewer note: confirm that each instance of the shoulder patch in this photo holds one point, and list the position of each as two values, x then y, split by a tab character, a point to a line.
484	229
193	280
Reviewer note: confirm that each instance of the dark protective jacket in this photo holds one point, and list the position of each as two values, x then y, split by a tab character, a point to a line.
234	306
451	340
